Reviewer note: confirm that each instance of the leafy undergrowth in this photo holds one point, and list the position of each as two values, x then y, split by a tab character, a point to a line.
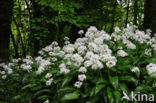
97	68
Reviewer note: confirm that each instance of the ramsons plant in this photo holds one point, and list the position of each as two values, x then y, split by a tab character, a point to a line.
97	68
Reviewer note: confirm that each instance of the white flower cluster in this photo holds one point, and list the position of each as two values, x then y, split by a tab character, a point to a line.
47	101
50	79
135	69
48	75
63	69
151	69
81	32
148	52
122	53
82	70
81	78
48	83
43	65
131	33
78	84
6	69
96	51
27	63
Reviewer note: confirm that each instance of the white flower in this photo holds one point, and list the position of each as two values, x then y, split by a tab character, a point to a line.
38	59
4	77
154	46
151	69
82	70
69	48
28	61
98	40
26	67
97	65
131	46
78	84
120	47
47	48
117	29
61	54
148	52
122	53
48	75
89	54
48	83
41	52
110	64
82	77
40	70
66	38
11	64
2	72
62	65
135	69
88	63
93	47
64	70
10	71
81	49
54	59
43	65
81	32
47	101
92	29
77	58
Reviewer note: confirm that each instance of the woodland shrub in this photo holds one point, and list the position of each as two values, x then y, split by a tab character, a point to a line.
97	68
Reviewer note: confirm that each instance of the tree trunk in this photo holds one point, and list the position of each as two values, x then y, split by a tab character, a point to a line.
127	14
19	33
135	12
5	28
113	16
150	15
36	15
15	46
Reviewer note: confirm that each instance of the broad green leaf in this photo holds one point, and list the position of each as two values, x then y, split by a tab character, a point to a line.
70	96
98	88
29	86
129	78
43	97
110	95
117	95
41	92
66	81
124	87
66	89
101	81
114	81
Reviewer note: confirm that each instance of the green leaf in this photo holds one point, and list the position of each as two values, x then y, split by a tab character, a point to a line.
41	92
98	88
66	89
70	96
43	97
143	88
29	86
124	88
110	95
114	81
101	81
129	78
117	95
66	81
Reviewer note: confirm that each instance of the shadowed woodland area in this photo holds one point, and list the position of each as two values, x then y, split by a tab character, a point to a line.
28	25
